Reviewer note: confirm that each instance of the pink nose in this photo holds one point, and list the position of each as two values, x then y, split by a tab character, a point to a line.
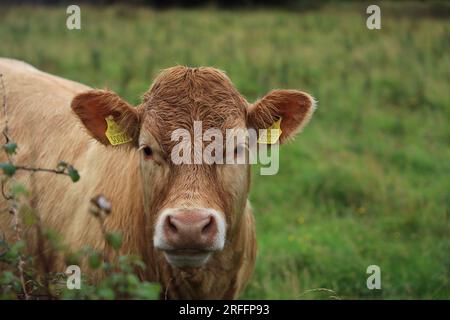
190	230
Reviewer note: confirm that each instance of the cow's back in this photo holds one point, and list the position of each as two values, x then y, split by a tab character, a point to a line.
39	114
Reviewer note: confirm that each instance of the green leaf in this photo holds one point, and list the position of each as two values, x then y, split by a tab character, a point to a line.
73	174
15	250
106	293
147	291
72	258
95	260
28	216
132	280
61	165
7	277
53	236
114	240
8	168
10	147
17	286
19	189
139	264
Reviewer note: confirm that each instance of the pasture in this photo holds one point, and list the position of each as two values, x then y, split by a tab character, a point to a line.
367	182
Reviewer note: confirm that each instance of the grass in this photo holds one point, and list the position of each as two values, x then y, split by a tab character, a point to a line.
367	182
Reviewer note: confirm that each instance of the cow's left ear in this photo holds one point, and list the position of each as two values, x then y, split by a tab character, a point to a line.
294	107
96	108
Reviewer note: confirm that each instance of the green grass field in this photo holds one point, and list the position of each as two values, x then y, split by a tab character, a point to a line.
367	182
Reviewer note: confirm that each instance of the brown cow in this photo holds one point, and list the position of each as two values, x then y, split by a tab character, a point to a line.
192	224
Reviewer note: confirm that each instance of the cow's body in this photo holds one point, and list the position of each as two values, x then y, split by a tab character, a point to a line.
47	131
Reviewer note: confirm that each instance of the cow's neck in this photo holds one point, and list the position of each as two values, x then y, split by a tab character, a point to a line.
120	182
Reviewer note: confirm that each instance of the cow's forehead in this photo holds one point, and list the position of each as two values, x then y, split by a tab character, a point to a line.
180	96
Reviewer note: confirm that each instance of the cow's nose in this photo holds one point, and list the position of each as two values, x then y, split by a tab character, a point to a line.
190	230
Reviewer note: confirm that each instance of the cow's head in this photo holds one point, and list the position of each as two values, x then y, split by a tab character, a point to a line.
191	208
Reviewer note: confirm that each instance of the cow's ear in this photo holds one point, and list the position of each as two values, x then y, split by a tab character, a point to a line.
95	107
295	109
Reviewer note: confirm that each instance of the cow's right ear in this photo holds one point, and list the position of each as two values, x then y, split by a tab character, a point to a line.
94	107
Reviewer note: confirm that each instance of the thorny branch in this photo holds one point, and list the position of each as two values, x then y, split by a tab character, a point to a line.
5	111
44	259
14	201
32	169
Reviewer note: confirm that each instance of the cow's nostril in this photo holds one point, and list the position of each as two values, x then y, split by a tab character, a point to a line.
171	225
208	226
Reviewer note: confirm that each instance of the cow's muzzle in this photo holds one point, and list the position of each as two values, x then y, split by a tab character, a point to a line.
188	237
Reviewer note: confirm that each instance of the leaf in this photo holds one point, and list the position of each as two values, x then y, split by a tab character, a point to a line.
28	216
106	293
114	240
72	258
132	280
15	249
73	174
147	291
19	189
53	236
10	148
95	260
61	165
7	277
139	264
8	168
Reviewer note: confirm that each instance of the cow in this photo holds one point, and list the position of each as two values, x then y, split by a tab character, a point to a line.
192	224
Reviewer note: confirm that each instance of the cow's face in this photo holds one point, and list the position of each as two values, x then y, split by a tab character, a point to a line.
193	206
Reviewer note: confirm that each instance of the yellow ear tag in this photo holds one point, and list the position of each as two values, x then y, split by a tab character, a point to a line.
271	134
114	133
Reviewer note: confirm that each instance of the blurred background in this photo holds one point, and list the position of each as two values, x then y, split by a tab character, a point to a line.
367	182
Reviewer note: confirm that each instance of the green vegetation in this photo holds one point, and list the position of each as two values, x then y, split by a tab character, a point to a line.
367	182
20	277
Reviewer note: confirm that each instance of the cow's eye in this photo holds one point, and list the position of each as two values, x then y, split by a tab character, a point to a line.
148	152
